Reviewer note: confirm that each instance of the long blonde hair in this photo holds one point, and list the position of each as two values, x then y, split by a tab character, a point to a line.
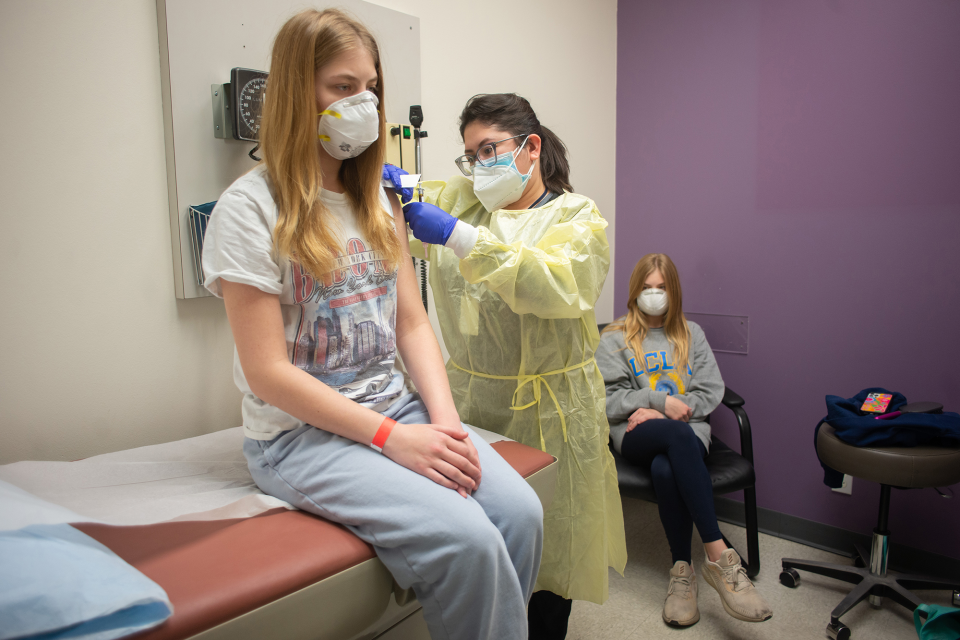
634	324
305	230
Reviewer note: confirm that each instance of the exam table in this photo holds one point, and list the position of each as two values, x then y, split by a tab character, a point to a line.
229	578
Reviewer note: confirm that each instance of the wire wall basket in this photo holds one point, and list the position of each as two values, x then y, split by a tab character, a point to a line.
199	217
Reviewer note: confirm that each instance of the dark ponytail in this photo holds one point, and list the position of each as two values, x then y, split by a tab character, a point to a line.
513	114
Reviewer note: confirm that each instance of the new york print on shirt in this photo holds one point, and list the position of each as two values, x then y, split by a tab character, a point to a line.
346	337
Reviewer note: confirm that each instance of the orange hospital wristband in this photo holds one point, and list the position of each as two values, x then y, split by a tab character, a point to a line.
383	433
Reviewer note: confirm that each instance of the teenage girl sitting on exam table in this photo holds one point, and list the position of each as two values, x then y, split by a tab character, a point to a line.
321	296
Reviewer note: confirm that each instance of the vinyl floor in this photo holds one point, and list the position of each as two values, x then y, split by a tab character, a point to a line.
634	607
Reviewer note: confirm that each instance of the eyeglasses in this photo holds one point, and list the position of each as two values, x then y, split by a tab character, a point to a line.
486	156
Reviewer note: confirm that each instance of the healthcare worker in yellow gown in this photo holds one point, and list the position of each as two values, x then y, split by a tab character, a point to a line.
517	263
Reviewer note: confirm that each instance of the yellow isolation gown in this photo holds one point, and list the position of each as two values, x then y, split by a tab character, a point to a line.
517	318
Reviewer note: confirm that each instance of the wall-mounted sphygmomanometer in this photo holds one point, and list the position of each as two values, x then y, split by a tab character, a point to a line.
238	106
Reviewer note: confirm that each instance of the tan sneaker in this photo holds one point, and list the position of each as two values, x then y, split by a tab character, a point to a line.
680	607
738	595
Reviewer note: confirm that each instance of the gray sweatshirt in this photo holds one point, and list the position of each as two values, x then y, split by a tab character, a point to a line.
630	387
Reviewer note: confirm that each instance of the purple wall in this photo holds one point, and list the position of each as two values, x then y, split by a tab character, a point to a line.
800	162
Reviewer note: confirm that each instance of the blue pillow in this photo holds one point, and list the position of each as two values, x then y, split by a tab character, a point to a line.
56	582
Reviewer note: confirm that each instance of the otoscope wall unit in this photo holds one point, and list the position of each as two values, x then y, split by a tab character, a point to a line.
211	45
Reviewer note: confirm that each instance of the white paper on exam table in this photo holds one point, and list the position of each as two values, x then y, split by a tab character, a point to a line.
23	509
201	478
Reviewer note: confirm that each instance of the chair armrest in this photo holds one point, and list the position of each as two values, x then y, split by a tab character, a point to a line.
735	403
731	399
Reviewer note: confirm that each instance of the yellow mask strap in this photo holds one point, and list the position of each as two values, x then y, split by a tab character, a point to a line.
327	112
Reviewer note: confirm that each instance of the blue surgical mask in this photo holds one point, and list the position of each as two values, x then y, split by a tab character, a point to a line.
502	183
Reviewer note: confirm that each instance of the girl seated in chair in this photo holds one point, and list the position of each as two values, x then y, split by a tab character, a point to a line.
662	382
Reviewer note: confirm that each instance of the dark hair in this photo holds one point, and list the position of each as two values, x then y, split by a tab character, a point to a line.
513	114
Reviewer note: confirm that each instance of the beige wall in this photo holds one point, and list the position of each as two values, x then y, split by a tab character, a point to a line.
97	354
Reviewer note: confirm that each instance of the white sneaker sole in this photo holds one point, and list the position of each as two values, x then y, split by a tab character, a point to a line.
681	623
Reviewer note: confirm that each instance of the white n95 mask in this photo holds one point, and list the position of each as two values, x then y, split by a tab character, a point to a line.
502	183
347	127
652	302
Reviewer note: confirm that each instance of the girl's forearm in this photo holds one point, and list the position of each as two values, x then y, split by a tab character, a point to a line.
296	392
424	362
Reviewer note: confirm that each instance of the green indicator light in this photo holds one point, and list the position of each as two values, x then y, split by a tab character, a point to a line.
406	132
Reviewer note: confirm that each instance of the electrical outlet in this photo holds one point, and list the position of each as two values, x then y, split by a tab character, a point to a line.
847	486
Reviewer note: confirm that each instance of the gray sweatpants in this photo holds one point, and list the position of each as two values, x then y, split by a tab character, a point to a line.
472	562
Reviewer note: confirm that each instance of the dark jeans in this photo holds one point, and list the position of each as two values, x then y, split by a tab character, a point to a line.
674	455
547	616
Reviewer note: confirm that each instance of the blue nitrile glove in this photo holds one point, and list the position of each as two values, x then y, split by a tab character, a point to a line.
429	223
392	173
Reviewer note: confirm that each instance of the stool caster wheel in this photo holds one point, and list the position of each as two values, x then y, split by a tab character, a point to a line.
838	631
790	578
858	562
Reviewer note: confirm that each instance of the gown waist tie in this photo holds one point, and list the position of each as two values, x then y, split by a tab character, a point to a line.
536	379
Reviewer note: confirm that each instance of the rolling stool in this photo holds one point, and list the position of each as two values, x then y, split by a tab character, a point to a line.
892	467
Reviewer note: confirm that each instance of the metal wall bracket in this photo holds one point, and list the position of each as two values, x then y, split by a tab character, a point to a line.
222	116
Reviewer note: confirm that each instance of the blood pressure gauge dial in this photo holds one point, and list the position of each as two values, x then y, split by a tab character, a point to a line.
247	88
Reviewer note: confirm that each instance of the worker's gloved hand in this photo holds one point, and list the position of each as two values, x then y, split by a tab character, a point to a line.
391	174
429	223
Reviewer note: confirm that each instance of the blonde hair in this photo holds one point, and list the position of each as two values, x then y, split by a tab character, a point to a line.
305	230
634	324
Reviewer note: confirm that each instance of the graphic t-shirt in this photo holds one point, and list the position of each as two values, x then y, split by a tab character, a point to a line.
339	328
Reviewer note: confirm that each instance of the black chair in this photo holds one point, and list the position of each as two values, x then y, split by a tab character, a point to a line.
729	471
